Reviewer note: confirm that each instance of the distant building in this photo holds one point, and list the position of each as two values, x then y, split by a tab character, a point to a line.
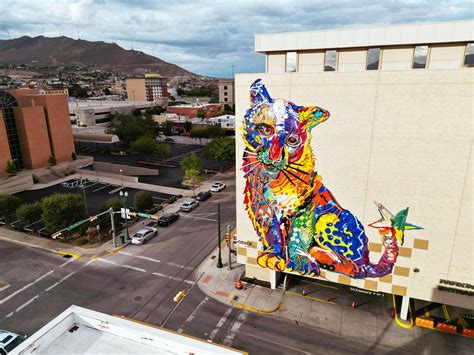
191	111
53	92
226	92
225	121
32	128
152	87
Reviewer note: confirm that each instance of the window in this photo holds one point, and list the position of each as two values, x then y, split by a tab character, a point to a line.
419	57
225	87
373	59
330	60
290	62
225	98
469	56
225	93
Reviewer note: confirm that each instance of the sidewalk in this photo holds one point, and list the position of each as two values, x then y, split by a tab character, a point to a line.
374	329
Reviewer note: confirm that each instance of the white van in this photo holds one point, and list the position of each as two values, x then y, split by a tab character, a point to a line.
9	341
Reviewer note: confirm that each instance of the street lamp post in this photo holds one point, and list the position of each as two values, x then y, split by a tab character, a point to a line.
219	257
121	177
124	196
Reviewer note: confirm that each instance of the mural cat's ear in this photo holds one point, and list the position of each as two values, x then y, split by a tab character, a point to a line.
258	93
311	116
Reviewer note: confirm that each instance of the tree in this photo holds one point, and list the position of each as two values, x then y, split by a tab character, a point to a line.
51	160
143	200
198	133
29	212
10	168
188	126
192	178
144	145
214	131
73	156
163	151
104	221
220	149
60	210
129	127
190	162
167	128
228	110
8	206
201	113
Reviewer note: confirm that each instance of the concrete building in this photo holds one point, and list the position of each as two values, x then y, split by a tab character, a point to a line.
35	126
150	88
53	91
226	92
399	132
191	111
93	112
80	330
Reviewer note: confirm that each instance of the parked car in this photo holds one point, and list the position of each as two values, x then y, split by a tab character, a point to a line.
9	341
203	195
188	206
143	235
168	140
217	187
167	218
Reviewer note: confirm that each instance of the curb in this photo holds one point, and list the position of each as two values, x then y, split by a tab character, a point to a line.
256	310
117	249
74	255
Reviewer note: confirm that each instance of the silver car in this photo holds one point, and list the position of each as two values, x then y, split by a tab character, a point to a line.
188	205
143	235
9	341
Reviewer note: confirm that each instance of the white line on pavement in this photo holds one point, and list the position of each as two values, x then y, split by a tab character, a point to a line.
25	287
192	315
117	264
180	266
22	306
63	279
4	287
220	323
107	261
179	279
125	253
276	343
140	257
67	262
89	262
134	268
100	188
235	328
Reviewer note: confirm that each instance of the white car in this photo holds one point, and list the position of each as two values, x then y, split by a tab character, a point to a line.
9	341
143	235
188	206
217	187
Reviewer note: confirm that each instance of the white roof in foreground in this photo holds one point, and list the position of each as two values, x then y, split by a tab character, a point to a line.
82	331
425	33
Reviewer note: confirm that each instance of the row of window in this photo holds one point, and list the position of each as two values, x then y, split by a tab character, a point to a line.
420	55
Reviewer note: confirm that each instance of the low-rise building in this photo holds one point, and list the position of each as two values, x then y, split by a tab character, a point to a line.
226	92
191	111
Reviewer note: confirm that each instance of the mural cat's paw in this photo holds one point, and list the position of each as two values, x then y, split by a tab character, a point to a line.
271	261
304	265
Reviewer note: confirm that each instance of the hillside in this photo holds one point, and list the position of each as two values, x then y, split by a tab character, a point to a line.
64	51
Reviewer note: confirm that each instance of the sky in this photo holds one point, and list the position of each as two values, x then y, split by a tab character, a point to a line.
209	37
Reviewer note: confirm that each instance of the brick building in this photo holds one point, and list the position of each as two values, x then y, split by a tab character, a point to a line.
191	111
32	128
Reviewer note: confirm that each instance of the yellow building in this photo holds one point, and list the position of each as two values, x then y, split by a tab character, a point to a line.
400	100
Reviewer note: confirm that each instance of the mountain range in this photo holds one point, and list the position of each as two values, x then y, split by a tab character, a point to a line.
65	51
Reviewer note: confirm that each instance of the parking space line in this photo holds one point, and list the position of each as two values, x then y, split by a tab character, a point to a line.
159	198
26	303
25	287
87	186
100	188
3	288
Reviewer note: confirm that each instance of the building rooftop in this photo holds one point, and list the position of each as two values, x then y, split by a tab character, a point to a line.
426	33
82	331
97	104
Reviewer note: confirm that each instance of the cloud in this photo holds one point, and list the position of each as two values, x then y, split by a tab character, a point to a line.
209	37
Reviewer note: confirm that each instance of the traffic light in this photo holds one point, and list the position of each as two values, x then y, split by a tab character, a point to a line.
227	238
154	217
92	219
132	214
57	234
179	296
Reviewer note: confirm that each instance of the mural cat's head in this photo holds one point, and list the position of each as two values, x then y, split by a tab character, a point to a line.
277	133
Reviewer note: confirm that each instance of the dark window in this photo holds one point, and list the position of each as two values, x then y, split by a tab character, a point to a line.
7	103
225	93
330	60
290	62
419	57
225	98
225	87
373	59
469	56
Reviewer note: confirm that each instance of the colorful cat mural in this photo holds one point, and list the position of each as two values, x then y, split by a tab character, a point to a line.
299	222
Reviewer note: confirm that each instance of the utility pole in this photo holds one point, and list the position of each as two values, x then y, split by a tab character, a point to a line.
219	258
85	199
112	222
229	241
124	200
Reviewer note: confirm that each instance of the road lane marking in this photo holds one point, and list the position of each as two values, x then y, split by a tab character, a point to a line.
134	268
119	265
220	323
140	257
25	287
125	253
235	328
179	279
3	288
26	303
193	314
275	343
61	280
108	261
67	262
89	262
100	188
180	266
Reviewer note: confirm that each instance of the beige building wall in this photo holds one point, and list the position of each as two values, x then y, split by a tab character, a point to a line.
310	62
446	56
399	58
402	138
136	90
276	63
352	60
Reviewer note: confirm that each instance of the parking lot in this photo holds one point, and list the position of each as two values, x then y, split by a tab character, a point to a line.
170	175
95	192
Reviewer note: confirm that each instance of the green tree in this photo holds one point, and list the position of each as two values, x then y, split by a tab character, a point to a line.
163	151
192	178
104	221
198	133
167	128
144	145
190	162
228	110
8	206
188	126
143	200
29	212
61	210
51	160
201	113
220	149
214	131
10	168
129	127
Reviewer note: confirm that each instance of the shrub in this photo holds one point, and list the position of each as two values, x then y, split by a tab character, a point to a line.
143	200
73	156
29	213
8	206
62	210
10	168
104	221
156	209
82	241
51	160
